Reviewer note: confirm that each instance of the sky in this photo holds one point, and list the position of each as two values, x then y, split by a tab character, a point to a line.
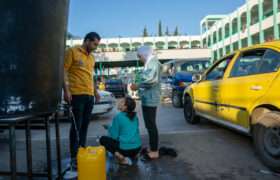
127	18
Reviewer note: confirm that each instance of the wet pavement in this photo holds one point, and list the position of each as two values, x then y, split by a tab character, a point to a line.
205	151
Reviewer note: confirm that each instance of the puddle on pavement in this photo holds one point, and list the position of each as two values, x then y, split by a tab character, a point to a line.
165	168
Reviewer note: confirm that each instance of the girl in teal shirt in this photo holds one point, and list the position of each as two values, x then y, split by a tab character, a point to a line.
123	138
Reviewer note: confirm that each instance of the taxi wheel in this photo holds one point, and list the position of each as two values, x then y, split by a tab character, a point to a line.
189	112
267	144
176	99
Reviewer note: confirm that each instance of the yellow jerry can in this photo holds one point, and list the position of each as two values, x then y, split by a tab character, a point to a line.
92	163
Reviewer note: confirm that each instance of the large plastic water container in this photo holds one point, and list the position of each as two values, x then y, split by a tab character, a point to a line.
92	163
32	44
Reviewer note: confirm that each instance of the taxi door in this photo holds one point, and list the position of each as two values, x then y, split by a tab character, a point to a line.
206	91
248	81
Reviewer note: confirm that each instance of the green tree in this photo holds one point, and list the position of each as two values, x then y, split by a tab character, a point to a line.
167	31
159	29
69	35
145	32
176	32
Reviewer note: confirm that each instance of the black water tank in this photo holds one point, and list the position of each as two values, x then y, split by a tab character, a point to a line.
32	42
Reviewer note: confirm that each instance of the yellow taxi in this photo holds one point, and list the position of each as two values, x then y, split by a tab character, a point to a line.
242	91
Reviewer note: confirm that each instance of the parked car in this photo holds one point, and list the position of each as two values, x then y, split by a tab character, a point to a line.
181	72
105	105
166	87
241	91
116	86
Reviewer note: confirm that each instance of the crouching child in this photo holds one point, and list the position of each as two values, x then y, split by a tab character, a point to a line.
123	139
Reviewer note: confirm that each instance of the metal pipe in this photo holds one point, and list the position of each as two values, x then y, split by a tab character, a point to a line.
13	161
48	143
58	150
28	149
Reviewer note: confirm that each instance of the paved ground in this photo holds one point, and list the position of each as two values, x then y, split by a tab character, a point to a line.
206	151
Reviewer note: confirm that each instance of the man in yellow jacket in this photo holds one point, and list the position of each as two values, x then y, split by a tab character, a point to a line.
79	88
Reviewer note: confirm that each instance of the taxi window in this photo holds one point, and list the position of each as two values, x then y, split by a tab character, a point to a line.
217	72
270	62
256	62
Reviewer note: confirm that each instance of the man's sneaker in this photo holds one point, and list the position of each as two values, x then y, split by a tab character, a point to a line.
71	171
73	164
70	174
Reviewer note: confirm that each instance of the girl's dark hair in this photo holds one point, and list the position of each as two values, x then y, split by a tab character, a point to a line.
130	104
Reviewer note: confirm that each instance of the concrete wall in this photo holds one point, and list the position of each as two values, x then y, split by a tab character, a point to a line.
161	54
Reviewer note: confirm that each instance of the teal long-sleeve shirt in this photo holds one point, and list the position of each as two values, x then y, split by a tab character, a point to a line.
125	131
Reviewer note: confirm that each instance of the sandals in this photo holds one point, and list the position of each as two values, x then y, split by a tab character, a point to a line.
127	162
167	151
146	157
163	151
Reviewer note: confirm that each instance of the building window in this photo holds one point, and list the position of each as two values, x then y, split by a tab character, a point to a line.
215	37
125	46
160	45
256	38
235	46
113	47
267	8
172	45
227	34
184	44
228	49
255	15
195	44
209	41
136	45
221	52
220	34
215	56
149	44
269	34
279	30
203	28
244	43
234	26
243	22
204	43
